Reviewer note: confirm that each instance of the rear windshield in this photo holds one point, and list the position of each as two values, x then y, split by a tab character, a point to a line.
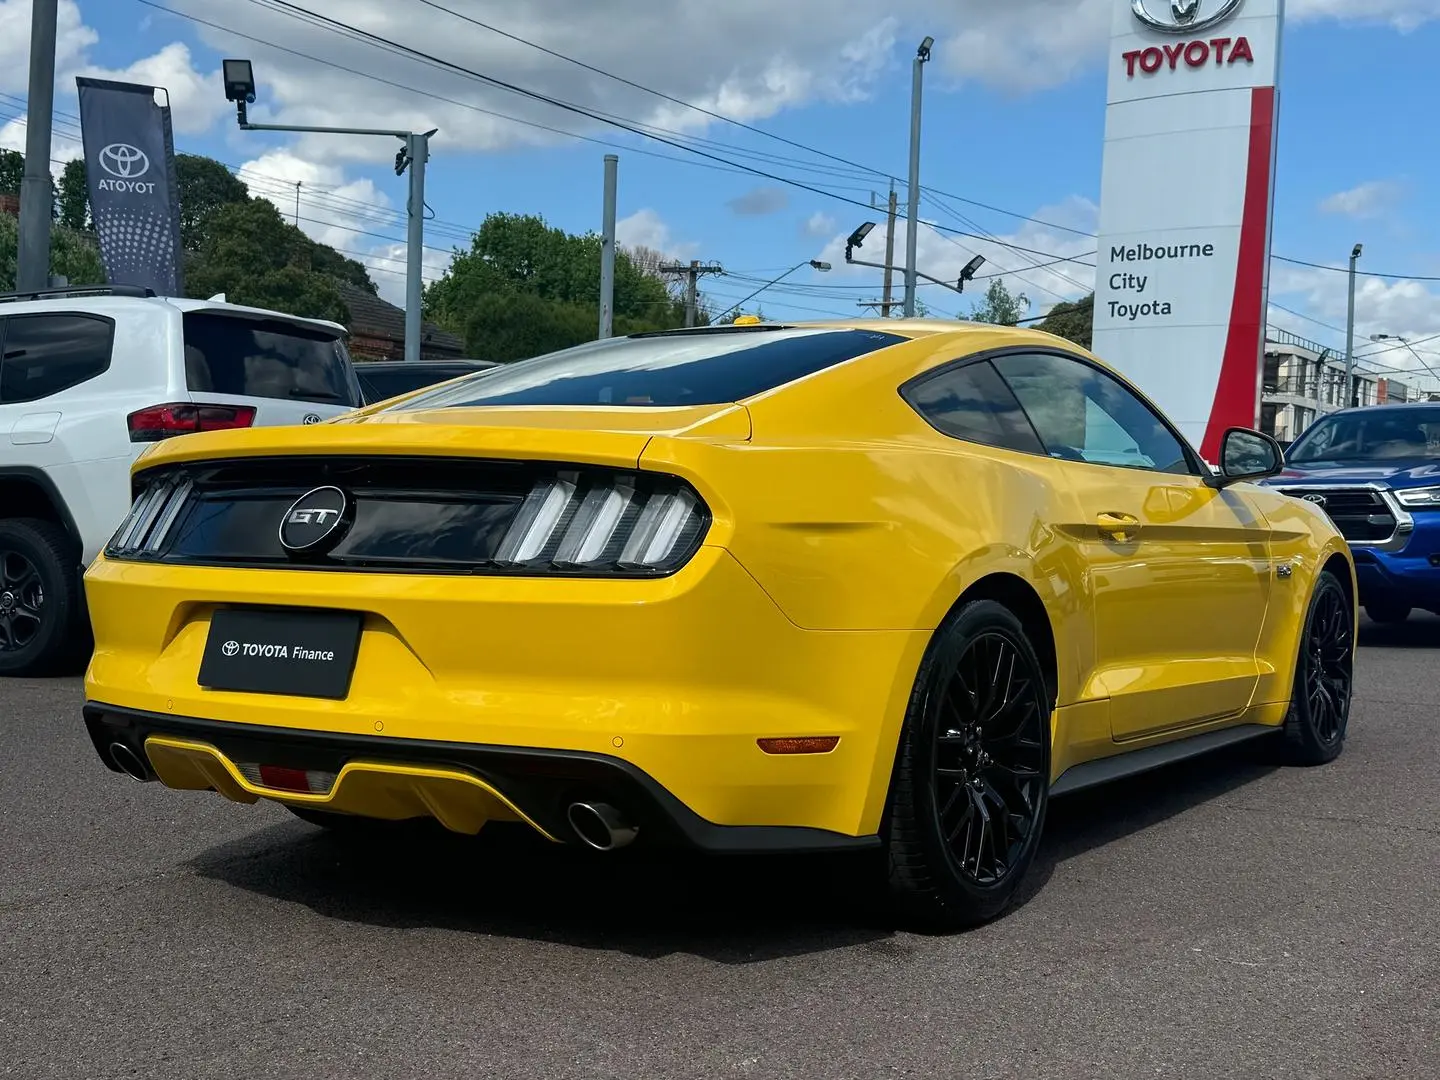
392	382
230	354
661	370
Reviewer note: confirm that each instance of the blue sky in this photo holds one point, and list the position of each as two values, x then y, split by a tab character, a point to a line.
1014	119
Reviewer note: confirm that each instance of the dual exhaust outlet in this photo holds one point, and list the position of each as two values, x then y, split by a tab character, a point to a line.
130	763
598	825
601	826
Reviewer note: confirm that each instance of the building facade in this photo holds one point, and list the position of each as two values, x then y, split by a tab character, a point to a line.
1304	380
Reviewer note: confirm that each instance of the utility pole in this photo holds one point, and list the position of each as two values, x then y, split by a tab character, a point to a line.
890	251
692	273
417	151
607	249
297	202
912	220
37	201
1350	395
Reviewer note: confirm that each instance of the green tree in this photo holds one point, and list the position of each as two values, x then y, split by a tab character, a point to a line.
515	256
1000	307
72	254
205	186
1072	321
12	171
74	201
253	256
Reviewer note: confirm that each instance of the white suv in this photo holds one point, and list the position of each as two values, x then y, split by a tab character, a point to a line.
88	378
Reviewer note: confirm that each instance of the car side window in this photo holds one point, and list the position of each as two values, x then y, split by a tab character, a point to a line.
972	402
45	354
1083	414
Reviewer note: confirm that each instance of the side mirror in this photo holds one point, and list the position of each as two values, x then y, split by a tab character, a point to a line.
1248	455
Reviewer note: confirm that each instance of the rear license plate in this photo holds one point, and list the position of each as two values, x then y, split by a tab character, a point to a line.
281	651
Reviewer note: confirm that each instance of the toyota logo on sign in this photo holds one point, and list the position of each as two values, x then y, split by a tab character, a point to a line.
1185	16
125	161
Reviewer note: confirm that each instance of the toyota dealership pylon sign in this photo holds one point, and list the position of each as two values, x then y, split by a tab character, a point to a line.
1186	204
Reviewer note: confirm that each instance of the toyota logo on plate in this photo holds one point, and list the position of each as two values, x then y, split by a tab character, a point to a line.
317	521
125	161
230	648
1185	15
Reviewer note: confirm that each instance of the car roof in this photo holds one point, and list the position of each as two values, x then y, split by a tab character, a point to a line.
101	303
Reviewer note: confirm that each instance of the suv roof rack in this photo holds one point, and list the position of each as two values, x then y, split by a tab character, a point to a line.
77	290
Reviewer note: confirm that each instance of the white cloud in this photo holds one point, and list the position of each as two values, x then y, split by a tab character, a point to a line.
72	39
818	224
196	100
1367	200
1405	308
644	228
1403	15
944	255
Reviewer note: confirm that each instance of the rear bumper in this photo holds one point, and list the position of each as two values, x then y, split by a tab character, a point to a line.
539	784
675	680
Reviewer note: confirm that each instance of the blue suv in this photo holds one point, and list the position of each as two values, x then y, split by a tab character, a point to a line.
1376	472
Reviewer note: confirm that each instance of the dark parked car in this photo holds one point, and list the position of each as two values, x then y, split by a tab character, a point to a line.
384	379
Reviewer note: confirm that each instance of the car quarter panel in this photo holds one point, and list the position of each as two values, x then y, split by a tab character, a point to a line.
1302	538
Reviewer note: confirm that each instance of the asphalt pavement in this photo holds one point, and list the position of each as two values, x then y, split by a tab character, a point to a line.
1221	918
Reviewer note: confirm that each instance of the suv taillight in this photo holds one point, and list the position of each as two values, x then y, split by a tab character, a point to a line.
162	421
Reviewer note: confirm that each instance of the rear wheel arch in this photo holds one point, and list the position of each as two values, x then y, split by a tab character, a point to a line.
1020	598
29	493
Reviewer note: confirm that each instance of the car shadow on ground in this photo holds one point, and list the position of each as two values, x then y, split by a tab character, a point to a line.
1420	631
649	904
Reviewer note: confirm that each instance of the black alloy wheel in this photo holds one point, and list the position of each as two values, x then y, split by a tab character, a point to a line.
22	600
972	777
42	627
1319	713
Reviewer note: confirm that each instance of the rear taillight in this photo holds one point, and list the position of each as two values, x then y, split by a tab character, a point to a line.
154	513
163	421
623	523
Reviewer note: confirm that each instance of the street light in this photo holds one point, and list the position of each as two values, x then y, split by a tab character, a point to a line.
857	239
912	213
239	78
815	264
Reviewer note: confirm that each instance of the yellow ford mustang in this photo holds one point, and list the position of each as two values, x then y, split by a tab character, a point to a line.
884	585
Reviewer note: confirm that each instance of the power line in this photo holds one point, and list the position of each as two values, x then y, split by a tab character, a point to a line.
386	44
1362	273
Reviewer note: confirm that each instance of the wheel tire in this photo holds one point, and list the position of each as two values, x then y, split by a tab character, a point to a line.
40	622
945	745
1389	614
1315	726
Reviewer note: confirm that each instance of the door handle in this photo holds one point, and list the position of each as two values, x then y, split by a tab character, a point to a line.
1118	527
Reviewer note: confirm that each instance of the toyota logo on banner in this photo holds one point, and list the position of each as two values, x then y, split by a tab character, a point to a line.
125	161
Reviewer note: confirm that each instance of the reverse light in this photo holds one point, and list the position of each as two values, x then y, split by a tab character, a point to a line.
1419	498
604	523
184	418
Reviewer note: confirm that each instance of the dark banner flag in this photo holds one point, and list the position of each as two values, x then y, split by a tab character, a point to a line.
134	196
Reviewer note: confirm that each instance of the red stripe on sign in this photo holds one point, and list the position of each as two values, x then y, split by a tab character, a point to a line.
1235	395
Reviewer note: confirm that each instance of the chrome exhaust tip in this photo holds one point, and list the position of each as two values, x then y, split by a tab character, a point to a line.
601	826
130	763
